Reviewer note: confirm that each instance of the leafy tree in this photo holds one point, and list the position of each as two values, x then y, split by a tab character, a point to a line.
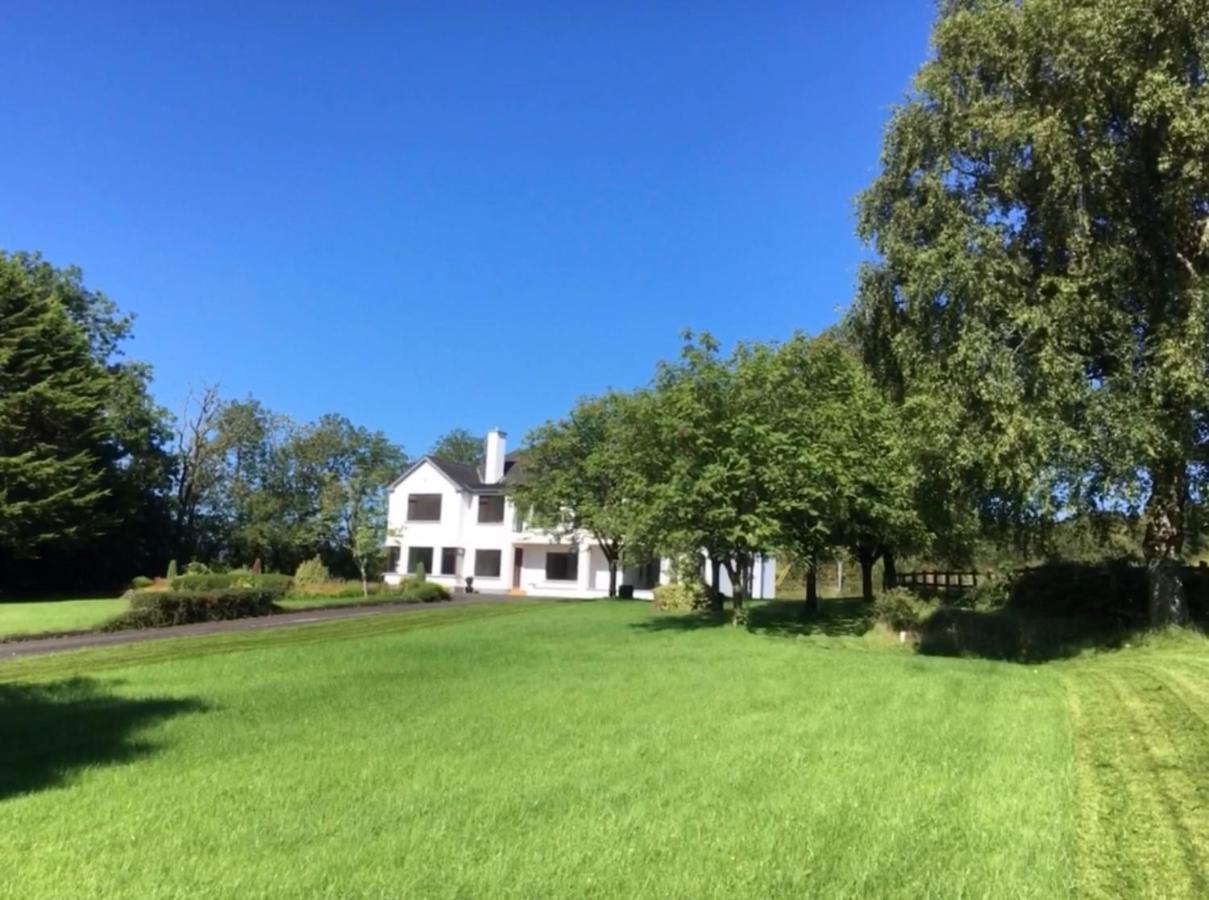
459	445
706	485
580	475
354	498
1040	221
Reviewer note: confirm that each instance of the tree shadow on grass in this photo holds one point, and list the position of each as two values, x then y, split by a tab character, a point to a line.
778	618
49	730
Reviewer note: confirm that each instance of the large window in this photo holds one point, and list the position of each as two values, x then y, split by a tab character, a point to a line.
423	507
392	559
487	563
562	566
449	560
491	508
417	555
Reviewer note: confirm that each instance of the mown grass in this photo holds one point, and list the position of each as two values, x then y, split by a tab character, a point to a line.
38	616
532	750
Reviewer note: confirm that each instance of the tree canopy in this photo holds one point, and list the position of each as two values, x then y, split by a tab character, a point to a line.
1041	223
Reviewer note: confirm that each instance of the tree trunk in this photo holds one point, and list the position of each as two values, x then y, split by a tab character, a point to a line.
889	571
812	588
1164	543
364	582
867	556
839	576
716	583
612	578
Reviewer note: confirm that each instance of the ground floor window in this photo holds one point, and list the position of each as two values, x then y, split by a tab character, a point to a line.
417	556
562	566
647	575
392	559
449	560
487	563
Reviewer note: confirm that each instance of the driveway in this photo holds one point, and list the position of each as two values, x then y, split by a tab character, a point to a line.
17	649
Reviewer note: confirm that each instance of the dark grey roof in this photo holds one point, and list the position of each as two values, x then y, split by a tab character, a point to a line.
468	477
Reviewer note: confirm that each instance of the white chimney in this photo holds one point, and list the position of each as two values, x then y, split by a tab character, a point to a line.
493	462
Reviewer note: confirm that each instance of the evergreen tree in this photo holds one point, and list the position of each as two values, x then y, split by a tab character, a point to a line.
52	426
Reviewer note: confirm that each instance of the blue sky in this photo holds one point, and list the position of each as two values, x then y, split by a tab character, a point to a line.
428	215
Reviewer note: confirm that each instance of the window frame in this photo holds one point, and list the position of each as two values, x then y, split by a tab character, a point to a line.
411	561
411	504
446	554
503	509
572	568
499	563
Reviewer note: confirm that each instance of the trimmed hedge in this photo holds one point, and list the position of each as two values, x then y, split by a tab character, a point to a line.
213	581
155	610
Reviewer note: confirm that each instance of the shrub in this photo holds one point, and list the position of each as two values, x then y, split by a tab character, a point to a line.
185	607
197	568
139	582
241	579
423	592
312	571
992	593
901	609
682	596
421	573
171	569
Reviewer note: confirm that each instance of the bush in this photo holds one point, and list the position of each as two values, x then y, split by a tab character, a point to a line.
992	593
421	573
197	568
239	579
902	610
186	607
423	592
312	571
139	582
171	569
682	596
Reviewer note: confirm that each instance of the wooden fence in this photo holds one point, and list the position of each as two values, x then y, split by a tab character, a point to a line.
950	582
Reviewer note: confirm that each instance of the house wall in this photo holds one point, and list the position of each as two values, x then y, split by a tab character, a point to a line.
459	528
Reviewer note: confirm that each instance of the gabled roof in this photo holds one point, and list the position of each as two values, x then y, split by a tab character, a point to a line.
464	477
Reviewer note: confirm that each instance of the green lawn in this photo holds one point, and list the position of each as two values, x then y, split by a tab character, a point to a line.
597	749
36	616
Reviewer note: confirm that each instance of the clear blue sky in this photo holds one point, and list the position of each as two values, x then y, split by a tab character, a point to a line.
428	215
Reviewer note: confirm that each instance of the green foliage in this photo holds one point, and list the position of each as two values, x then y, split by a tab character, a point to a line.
682	596
139	582
242	579
420	574
581	473
171	569
196	567
991	593
1040	286
423	592
459	445
902	610
311	571
183	607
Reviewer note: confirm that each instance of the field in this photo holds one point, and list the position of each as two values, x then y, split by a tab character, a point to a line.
598	749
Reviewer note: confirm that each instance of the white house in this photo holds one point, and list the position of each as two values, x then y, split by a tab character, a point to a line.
458	522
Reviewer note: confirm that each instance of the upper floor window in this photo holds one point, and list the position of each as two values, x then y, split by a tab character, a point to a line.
491	508
423	507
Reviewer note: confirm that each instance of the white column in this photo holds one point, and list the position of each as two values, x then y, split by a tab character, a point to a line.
584	582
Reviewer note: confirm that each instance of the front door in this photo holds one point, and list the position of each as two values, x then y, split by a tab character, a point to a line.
518	560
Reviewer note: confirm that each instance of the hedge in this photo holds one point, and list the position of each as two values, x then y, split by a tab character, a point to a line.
233	580
154	610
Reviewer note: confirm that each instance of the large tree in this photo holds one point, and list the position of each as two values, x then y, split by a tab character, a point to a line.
836	460
1041	222
704	454
580	474
52	423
